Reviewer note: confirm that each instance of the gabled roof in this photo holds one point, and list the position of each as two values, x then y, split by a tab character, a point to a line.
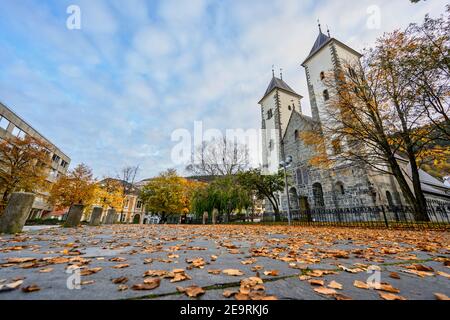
300	115
321	41
277	83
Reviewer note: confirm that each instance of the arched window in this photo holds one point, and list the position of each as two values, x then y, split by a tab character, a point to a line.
352	72
322	75
269	114
318	195
296	134
299	176
326	95
340	188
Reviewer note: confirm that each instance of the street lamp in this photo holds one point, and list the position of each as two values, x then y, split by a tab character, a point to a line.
286	164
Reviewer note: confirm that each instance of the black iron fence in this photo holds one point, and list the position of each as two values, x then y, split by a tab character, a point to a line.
379	217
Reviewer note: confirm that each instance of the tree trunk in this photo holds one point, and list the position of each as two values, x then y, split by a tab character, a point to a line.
420	209
409	195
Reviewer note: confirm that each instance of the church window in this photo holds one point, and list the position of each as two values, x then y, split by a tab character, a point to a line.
326	95
299	176
296	135
322	75
352	72
305	176
318	195
389	199
269	114
290	108
337	146
340	188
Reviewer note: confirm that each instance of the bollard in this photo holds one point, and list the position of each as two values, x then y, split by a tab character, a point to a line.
16	212
96	216
74	216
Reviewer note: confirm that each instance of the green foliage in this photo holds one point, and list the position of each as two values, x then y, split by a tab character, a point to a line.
224	194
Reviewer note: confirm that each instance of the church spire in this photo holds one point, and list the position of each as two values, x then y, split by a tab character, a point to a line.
273	71
281	73
320	26
328	32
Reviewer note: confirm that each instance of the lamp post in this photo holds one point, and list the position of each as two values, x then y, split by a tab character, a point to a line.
286	164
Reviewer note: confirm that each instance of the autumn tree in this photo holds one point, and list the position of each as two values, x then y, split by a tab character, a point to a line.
426	64
219	157
109	193
24	166
127	176
168	195
77	187
264	186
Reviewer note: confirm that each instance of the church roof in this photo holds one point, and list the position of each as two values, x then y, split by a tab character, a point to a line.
321	41
277	83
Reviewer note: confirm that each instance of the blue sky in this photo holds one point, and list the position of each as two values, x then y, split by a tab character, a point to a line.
111	94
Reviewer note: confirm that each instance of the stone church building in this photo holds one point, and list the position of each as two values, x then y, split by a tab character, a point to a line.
345	185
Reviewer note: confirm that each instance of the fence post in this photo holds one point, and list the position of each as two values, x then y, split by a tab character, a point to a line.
385	218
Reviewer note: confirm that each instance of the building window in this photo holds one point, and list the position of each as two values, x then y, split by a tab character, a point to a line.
64	164
18	133
269	114
296	135
326	95
139	204
290	108
4	123
322	76
299	175
352	72
318	195
340	188
271	145
337	146
56	158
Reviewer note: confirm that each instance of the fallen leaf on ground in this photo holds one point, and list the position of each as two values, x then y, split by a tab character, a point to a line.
325	291
121	266
316	282
441	296
192	291
342	297
394	275
149	284
391	297
233	272
88	272
335	285
11	286
361	285
120	280
155	273
31	288
87	282
215	272
46	270
229	293
122	287
443	274
272	273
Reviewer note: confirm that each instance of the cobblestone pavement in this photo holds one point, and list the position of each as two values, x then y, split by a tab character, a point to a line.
293	263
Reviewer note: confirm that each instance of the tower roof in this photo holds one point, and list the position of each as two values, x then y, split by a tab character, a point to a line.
321	41
277	83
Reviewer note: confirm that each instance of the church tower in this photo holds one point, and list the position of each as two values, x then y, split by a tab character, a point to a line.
277	105
327	56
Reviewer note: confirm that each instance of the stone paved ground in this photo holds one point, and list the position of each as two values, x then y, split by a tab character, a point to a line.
291	257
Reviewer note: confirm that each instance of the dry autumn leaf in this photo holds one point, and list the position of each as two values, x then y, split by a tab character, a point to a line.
361	285
233	272
32	288
390	296
335	285
272	273
325	291
149	284
120	280
441	296
316	283
121	266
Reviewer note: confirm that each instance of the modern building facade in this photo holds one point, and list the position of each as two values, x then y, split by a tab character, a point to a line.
12	125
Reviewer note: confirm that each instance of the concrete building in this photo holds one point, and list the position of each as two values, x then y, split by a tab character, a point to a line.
11	125
345	185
